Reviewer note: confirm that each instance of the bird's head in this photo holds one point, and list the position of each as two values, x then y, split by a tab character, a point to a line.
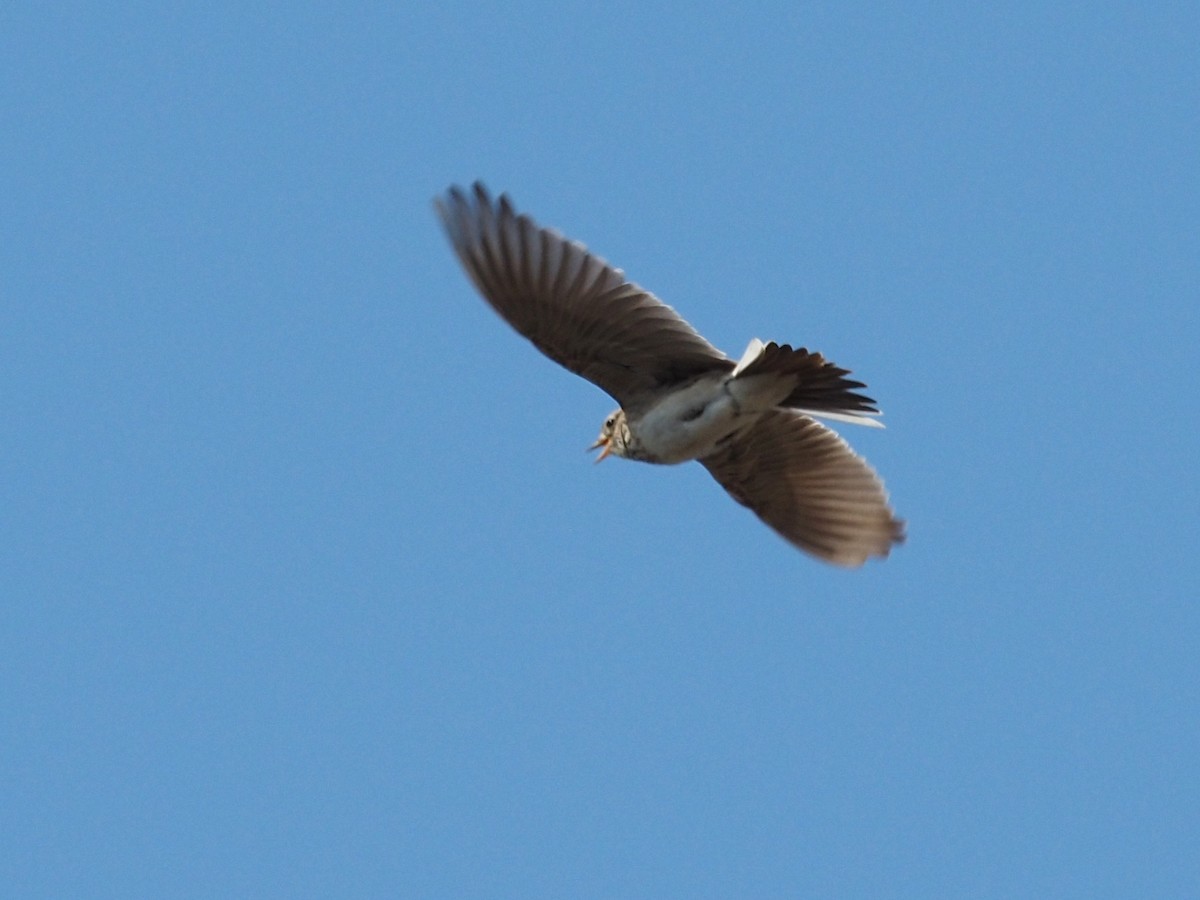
614	435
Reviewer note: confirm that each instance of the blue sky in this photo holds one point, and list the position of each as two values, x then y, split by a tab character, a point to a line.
310	590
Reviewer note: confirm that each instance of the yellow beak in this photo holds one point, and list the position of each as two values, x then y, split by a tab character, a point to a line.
606	444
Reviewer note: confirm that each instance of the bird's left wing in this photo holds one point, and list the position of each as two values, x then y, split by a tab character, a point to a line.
576	308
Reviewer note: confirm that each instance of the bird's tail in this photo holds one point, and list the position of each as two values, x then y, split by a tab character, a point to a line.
821	388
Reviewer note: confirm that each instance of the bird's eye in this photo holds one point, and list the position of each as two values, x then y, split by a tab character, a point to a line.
609	422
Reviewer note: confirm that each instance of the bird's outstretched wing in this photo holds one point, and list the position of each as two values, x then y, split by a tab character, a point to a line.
805	482
574	307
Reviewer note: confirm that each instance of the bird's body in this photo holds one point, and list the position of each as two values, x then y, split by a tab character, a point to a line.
697	418
686	424
749	423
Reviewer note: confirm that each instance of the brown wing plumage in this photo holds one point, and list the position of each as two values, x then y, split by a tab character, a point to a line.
806	483
576	308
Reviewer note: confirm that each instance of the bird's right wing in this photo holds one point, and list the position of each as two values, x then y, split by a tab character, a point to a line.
806	483
574	307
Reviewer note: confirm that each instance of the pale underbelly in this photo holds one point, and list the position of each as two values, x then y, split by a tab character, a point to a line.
675	433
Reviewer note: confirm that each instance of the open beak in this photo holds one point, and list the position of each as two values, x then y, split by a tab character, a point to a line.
604	442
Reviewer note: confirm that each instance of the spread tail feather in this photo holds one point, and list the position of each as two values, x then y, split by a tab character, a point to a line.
753	351
821	387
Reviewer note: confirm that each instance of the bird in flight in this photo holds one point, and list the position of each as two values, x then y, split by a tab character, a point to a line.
749	422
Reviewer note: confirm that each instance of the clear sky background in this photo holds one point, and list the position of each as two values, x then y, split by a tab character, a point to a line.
308	588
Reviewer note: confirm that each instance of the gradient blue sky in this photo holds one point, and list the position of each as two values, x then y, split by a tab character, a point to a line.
308	588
